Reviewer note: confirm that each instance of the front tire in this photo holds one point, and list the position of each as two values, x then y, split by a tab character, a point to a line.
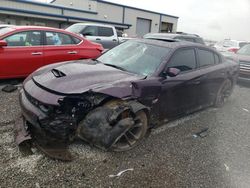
134	135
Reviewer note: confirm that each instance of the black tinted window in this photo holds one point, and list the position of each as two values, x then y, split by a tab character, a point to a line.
206	58
183	60
90	31
105	31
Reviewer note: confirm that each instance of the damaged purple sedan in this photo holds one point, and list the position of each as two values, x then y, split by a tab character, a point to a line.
112	101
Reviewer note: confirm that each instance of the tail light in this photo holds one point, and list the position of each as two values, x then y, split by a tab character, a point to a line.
234	50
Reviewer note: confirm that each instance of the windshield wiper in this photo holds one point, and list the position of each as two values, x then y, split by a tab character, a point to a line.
115	66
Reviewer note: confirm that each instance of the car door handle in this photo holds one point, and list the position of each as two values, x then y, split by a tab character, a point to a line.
72	52
196	82
37	53
222	73
97	39
114	40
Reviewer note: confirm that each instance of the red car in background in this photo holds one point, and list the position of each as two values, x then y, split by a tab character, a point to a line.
23	49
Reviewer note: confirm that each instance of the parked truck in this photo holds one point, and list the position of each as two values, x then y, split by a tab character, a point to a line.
99	33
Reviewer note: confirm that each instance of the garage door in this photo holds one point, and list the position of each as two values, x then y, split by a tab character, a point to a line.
143	26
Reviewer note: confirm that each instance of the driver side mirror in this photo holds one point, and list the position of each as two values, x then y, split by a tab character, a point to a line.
172	72
3	43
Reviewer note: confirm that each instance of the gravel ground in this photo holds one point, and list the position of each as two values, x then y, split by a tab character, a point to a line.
170	157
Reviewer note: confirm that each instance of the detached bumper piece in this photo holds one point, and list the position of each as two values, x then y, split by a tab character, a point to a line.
27	137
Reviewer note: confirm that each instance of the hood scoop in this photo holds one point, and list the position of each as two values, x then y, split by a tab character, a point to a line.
73	78
57	73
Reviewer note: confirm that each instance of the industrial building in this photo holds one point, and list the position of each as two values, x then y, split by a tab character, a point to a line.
62	13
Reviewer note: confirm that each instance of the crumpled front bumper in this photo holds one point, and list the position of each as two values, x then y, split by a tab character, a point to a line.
31	122
29	113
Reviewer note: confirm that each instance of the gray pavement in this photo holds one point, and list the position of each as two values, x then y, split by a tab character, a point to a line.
170	157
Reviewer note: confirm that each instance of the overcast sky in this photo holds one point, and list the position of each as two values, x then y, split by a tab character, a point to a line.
212	19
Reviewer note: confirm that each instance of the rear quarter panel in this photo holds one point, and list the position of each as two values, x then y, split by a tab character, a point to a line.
232	68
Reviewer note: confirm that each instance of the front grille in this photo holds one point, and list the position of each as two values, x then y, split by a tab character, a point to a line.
244	66
244	75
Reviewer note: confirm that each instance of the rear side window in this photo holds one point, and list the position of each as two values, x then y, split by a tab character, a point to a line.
55	38
206	58
216	59
76	40
28	38
188	39
184	60
105	31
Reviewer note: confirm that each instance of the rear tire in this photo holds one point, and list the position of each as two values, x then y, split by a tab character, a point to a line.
224	93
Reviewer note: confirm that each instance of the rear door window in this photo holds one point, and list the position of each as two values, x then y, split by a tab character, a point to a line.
105	31
184	60
206	58
57	39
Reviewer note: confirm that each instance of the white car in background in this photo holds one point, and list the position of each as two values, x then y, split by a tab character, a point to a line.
4	25
229	45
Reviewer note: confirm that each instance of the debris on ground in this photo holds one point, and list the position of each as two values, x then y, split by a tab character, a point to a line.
203	133
120	173
9	88
227	167
246	110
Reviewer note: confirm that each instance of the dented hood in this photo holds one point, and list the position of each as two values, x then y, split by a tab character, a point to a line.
80	76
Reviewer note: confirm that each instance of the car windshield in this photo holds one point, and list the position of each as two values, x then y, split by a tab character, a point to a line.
136	57
75	28
5	30
245	50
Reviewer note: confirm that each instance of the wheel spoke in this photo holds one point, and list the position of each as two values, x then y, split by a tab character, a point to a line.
137	125
133	135
128	140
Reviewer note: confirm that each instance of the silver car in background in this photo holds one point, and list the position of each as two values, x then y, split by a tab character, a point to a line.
99	33
229	45
243	56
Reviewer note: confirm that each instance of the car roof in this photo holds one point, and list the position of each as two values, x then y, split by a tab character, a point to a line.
173	44
171	35
34	27
93	24
23	28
